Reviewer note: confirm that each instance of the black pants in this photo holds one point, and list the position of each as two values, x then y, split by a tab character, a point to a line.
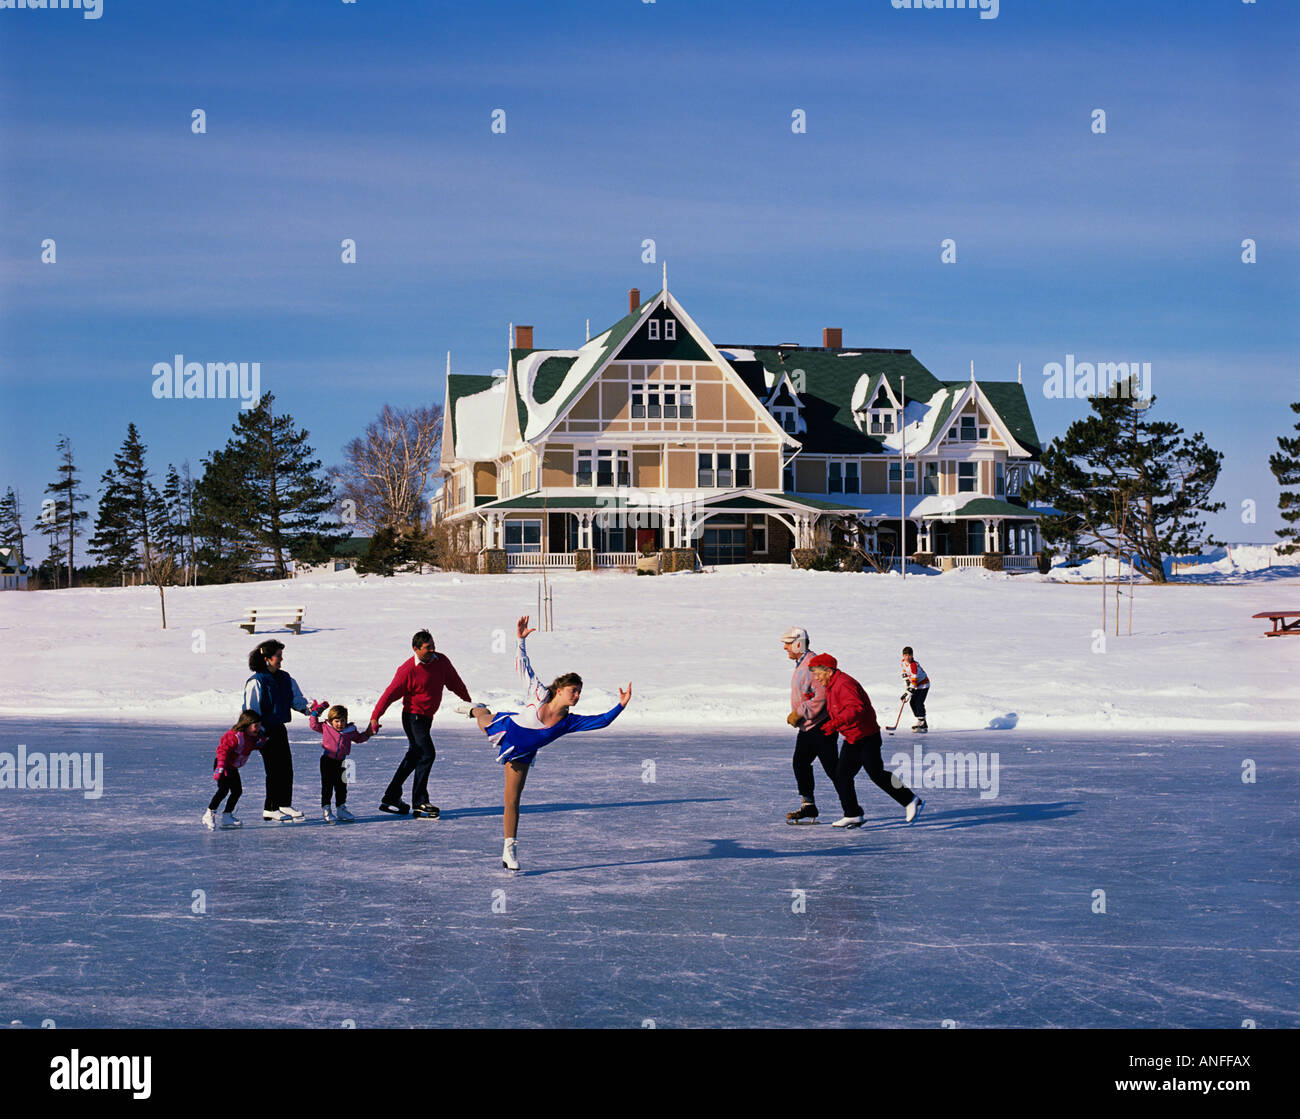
331	781
419	759
808	745
918	702
865	754
279	767
231	784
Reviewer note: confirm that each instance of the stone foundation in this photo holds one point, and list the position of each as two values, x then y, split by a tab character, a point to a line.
803	557
492	561
678	559
584	559
993	561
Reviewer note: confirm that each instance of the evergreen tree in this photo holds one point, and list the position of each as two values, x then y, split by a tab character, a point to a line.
265	490
389	549
131	511
11	525
1125	483
61	517
1286	468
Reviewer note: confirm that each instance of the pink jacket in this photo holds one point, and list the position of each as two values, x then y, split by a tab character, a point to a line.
807	699
337	744
234	750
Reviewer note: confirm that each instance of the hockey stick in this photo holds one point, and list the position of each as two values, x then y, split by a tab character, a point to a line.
899	718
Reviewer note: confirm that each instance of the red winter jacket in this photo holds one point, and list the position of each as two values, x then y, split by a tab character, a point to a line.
419	687
234	750
850	710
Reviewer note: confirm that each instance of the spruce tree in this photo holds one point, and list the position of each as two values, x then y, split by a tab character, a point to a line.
268	490
1286	468
11	526
61	517
131	511
1124	482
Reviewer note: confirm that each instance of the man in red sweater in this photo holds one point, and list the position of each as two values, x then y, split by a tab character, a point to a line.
419	684
851	714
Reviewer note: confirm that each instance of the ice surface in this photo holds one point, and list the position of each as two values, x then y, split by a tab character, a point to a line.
673	900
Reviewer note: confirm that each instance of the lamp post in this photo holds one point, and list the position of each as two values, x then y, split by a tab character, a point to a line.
902	477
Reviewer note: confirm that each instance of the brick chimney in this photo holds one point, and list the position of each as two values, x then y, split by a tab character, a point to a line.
633	299
523	337
833	338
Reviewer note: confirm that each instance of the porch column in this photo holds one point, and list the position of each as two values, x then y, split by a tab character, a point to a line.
995	537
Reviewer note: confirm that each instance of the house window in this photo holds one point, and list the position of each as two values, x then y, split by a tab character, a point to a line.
999	480
653	328
613	467
717	472
505	484
968	429
930	483
842	477
882	423
786	417
667	402
528	480
894	469
1013	481
523	536
787	478
582	471
967	476
975	537
670	330
758	536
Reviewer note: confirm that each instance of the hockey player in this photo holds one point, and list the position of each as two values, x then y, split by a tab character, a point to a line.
518	735
918	687
851	714
807	713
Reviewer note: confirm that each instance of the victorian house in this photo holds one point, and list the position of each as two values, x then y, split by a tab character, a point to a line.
652	438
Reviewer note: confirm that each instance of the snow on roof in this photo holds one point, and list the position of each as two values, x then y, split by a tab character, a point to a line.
918	423
478	423
734	353
541	416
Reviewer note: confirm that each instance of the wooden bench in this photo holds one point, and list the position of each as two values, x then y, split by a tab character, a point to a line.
290	617
1280	624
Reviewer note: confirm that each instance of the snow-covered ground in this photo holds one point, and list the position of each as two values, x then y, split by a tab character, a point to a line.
702	650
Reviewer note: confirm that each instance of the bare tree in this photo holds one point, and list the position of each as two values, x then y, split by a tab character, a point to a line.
161	568
386	471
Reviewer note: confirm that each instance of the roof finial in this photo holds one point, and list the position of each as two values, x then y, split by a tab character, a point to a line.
972	372
588	330
448	363
665	277
1018	379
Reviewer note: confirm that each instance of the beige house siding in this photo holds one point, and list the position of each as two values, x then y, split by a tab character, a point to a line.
647	470
557	466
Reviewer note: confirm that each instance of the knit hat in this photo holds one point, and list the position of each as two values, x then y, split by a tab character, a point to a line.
823	660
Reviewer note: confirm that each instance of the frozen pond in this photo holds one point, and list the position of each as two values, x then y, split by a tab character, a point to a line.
660	883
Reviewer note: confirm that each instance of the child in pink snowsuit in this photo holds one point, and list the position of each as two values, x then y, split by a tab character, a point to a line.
232	752
338	736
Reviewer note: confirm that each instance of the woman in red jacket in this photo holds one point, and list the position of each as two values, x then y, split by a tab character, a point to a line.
852	715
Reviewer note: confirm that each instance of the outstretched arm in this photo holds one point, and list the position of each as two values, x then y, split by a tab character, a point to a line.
534	689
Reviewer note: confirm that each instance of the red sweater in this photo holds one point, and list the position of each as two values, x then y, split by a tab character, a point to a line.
849	708
419	686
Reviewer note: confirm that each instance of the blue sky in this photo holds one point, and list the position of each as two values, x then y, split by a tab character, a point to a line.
627	121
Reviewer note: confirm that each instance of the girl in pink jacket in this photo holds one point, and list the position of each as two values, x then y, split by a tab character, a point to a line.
338	736
232	752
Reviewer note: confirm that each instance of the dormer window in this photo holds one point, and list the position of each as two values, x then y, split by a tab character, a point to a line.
670	330
653	329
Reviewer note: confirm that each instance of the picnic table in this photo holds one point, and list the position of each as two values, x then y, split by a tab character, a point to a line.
1280	624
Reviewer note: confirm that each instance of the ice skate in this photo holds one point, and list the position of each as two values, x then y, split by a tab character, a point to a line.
914	809
425	811
327	814
228	820
510	855
343	815
401	808
920	728
805	812
849	822
209	820
276	814
291	813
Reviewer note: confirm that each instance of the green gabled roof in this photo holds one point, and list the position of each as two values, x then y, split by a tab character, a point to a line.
814	503
1013	406
461	385
553	370
829	381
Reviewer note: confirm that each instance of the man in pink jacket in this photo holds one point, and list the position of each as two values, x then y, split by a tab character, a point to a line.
851	714
807	713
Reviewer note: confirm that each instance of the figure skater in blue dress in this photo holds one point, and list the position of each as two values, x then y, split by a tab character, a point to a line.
518	735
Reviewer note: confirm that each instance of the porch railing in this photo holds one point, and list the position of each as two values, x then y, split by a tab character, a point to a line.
617	559
535	561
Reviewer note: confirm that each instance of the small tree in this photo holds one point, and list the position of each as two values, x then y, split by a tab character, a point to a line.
61	518
161	569
1125	483
1286	468
11	525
